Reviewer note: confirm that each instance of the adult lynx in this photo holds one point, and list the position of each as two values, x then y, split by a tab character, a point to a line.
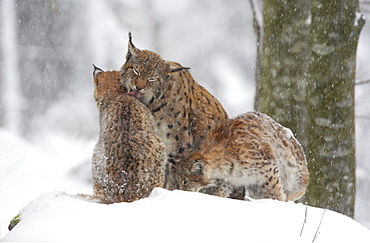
129	157
183	110
251	151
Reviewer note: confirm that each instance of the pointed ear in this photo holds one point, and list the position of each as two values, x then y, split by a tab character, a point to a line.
132	50
97	71
198	167
174	67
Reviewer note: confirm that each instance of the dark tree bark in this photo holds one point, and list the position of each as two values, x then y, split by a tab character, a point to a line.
334	36
307	84
284	63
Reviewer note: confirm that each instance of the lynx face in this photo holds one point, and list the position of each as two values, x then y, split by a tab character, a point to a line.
144	74
142	79
193	176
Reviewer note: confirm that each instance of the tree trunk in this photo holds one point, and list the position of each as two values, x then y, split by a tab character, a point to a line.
11	100
284	63
330	104
257	26
46	64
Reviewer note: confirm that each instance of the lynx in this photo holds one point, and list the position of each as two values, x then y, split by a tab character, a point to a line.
251	151
183	110
129	157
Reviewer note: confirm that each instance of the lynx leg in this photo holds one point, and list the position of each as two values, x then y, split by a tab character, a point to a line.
224	189
170	177
238	193
274	189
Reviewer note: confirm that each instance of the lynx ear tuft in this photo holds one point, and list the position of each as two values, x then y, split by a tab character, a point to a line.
173	67
129	36
97	71
132	49
178	69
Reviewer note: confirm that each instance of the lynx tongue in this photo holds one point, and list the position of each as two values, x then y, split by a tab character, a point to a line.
134	93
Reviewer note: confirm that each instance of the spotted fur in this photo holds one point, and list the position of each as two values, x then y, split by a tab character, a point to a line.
251	151
183	110
129	157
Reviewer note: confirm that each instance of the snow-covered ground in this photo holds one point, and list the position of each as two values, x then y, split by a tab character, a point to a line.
29	170
61	171
178	216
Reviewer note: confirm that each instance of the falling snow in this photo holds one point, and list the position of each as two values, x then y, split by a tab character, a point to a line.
54	98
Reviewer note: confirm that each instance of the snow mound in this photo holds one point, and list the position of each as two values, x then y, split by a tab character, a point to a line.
178	216
28	169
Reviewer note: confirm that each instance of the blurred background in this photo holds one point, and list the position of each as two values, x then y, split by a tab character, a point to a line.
48	117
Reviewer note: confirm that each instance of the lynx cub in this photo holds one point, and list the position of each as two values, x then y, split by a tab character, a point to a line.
251	151
129	158
183	110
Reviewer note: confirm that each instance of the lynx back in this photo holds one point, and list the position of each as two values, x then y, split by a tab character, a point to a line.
251	151
129	157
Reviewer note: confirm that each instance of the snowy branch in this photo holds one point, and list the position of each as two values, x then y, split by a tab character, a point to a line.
318	228
363	82
363	117
305	220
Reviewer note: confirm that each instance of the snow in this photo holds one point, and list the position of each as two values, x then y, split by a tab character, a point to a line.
241	93
359	17
323	49
29	170
178	216
217	32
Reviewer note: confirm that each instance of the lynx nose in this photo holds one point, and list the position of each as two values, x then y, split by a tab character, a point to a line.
139	88
140	85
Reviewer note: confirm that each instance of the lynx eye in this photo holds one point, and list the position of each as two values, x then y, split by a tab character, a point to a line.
151	79
137	73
